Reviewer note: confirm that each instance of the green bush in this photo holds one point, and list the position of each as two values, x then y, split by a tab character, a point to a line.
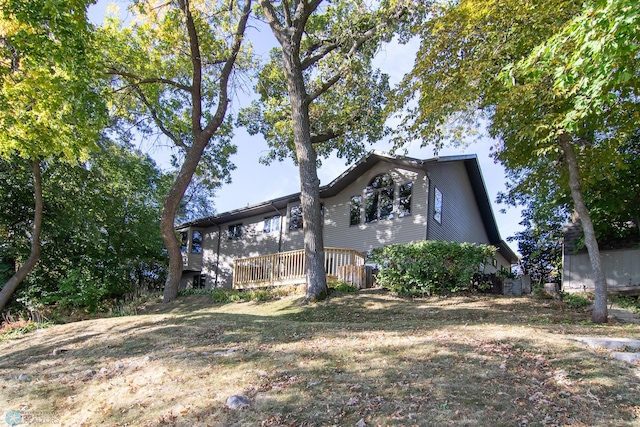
342	287
429	267
576	300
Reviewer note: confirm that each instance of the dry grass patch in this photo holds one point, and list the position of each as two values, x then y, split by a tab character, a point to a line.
464	361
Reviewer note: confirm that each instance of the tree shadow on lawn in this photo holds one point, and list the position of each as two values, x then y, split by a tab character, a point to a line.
385	360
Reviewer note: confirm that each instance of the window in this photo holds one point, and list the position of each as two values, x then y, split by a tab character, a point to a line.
379	204
196	242
272	224
199	281
404	202
184	239
356	205
295	217
235	232
437	206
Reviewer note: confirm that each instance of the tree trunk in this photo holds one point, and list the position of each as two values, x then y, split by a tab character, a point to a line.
167	222
599	314
34	256
309	182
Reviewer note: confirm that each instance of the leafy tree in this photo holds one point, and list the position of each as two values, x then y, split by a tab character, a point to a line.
468	50
171	69
101	227
50	100
319	94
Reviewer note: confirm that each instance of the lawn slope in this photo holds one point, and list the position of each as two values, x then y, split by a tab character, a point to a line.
357	358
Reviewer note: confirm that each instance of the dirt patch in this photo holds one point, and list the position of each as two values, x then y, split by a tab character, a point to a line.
365	357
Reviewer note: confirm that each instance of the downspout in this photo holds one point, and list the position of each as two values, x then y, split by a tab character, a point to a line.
218	253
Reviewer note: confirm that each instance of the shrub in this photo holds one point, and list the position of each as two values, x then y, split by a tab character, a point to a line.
342	287
576	300
429	267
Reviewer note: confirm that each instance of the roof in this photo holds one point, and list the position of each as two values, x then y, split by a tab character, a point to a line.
279	205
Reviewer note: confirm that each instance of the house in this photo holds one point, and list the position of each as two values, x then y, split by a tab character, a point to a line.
619	260
380	200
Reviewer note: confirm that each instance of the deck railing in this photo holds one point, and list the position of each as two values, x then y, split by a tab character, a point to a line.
288	267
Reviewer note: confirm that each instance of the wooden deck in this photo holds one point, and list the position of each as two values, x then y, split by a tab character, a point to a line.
288	268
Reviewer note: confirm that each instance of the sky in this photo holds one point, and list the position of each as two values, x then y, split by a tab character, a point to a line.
253	182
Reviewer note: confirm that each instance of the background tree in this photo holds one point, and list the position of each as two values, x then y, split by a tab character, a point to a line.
101	227
335	98
171	69
468	49
50	100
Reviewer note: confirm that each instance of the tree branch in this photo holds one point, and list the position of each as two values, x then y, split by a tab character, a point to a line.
196	63
149	80
157	120
272	18
318	139
223	100
366	36
322	51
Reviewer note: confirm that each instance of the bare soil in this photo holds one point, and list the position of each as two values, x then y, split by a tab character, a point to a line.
365	358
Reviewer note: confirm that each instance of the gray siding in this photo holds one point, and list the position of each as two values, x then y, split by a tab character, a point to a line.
621	269
461	220
366	236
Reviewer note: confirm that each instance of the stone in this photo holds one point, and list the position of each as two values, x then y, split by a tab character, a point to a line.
23	377
361	423
89	372
103	370
237	402
149	358
119	365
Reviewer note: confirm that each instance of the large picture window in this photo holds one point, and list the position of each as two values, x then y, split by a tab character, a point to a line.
379	203
295	217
